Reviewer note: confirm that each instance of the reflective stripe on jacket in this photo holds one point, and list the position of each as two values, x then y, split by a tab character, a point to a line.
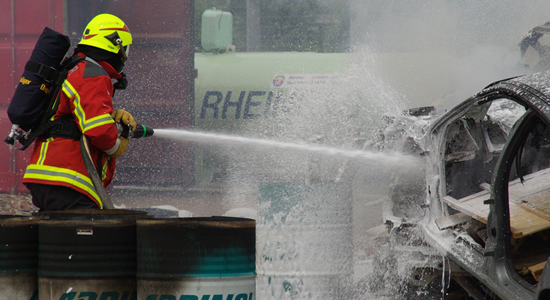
87	96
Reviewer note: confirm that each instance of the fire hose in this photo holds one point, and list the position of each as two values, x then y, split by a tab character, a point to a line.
123	131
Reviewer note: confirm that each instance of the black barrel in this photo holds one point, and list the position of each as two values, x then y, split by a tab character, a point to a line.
87	253
196	258
18	257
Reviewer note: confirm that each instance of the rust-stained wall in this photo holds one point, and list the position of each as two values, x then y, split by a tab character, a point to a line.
160	73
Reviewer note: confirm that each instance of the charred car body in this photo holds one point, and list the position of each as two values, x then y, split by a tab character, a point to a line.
486	203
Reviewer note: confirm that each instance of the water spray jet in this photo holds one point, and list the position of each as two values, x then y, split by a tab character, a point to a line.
393	158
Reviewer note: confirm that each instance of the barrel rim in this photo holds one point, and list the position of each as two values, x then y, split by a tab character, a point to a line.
17	220
88	223
163	276
91	214
214	221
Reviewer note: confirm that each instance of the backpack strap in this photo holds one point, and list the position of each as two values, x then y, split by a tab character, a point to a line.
49	74
61	127
53	105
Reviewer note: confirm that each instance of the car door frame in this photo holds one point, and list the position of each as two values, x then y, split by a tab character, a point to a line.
498	271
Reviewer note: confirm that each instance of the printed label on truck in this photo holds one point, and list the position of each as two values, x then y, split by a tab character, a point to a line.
302	80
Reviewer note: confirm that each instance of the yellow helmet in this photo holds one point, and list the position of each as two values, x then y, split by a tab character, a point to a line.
109	33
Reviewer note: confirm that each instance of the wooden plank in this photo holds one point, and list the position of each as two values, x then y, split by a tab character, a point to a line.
532	183
474	197
533	193
528	207
466	207
452	220
522	222
536	270
529	204
485	186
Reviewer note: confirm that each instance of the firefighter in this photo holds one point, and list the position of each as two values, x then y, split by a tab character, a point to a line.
56	175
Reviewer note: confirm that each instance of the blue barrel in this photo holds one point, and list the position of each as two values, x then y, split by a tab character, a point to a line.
196	258
18	257
305	240
87	253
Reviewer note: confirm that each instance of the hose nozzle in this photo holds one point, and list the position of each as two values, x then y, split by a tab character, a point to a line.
141	131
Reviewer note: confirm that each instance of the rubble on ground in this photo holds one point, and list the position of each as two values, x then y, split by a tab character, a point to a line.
16	205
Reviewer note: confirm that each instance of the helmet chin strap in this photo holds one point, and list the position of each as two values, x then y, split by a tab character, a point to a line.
123	52
117	41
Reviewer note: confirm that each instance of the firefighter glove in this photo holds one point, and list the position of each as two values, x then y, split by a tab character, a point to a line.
124	117
121	148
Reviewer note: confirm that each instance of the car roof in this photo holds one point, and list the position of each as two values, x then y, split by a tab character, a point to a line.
532	90
538	83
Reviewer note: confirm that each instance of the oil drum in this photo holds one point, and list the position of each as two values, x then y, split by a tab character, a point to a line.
196	258
18	257
87	253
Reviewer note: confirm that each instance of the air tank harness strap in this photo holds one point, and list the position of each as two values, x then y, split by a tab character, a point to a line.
48	73
63	127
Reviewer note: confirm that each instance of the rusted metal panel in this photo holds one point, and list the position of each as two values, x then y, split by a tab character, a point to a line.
160	71
21	23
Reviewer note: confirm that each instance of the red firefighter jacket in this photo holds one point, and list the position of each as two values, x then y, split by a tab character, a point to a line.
87	96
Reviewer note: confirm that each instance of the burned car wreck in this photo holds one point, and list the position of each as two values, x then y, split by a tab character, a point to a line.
485	201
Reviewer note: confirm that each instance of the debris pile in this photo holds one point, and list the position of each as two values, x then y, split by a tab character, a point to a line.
16	205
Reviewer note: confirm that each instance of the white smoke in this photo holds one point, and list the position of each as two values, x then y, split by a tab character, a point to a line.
466	44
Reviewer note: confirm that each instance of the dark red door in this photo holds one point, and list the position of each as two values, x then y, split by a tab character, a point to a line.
160	71
21	23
